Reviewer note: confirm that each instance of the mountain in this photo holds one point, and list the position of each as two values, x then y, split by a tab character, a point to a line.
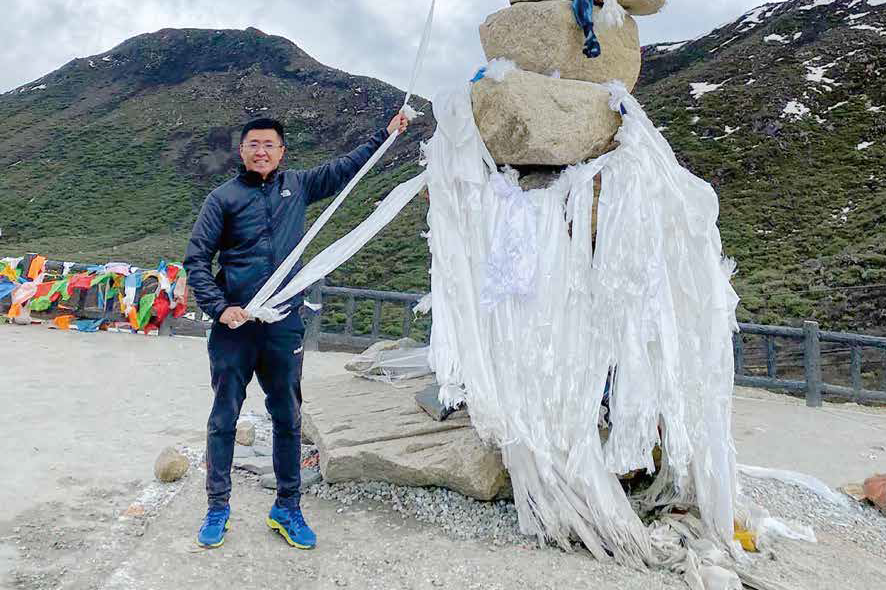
782	110
111	156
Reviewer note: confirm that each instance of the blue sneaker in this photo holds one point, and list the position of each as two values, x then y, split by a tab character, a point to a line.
212	533
290	523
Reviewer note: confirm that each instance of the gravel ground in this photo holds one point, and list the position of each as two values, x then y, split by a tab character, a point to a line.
860	524
465	518
852	539
457	515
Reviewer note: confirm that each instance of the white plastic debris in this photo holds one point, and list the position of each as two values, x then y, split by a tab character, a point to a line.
391	365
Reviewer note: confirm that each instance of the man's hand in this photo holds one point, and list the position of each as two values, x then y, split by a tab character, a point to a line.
234	317
398	123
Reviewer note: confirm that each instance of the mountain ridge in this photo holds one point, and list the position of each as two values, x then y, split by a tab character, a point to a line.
782	110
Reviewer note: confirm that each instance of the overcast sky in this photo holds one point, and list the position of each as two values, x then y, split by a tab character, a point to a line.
368	37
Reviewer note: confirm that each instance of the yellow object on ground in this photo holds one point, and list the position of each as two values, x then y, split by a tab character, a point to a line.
747	539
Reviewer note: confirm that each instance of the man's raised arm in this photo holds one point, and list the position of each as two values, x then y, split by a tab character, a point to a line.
330	178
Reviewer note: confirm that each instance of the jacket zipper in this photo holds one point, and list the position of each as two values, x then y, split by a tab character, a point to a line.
267	203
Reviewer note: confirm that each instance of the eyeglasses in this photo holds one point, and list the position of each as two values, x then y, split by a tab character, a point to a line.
254	146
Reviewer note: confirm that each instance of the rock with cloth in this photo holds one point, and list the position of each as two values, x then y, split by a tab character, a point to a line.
651	307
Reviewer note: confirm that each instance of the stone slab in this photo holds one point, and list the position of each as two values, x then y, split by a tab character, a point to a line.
256	465
370	431
263	451
429	401
241	452
309	477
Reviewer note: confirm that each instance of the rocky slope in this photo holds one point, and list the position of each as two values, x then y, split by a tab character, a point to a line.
784	111
110	156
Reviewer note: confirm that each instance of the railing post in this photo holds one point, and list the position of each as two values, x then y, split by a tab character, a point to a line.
407	319
771	360
312	331
812	364
166	326
855	369
738	352
350	308
883	373
376	319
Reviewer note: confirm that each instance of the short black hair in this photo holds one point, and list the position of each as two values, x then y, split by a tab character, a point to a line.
264	124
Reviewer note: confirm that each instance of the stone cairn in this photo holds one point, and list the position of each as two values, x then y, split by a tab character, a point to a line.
551	113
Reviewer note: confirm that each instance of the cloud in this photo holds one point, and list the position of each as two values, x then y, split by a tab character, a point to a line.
365	37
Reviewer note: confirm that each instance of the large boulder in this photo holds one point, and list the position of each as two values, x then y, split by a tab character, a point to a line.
543	37
368	431
454	459
642	7
530	119
635	7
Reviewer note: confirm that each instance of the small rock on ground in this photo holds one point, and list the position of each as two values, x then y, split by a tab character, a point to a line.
245	434
875	490
170	466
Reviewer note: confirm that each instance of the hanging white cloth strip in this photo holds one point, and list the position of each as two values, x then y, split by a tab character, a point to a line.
342	250
653	305
262	307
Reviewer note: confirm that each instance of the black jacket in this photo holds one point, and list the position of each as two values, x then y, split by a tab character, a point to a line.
253	225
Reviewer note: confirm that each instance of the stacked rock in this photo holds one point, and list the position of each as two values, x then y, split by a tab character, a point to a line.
552	111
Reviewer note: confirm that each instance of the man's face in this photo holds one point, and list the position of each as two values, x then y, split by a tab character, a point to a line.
262	151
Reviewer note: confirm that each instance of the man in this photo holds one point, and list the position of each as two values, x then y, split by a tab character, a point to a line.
253	222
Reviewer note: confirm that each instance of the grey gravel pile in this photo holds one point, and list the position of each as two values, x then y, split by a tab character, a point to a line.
858	523
456	514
